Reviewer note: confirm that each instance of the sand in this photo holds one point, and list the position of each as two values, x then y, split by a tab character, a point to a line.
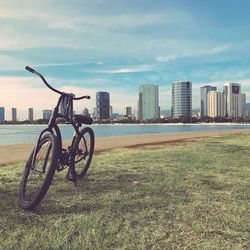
10	154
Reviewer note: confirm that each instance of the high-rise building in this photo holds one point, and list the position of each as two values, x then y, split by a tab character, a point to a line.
2	114
243	104
233	104
31	114
148	102
182	99
86	112
110	111
204	91
128	111
47	114
215	103
102	105
247	110
14	114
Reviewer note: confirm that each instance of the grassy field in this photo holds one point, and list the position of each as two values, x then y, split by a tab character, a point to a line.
188	196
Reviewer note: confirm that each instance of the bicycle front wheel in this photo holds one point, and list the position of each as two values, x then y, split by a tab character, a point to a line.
38	177
83	149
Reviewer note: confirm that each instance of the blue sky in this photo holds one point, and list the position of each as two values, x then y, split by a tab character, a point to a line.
89	46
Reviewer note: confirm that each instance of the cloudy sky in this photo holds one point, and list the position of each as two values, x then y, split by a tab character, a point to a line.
84	46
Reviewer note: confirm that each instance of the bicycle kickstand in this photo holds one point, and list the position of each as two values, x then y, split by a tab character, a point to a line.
71	176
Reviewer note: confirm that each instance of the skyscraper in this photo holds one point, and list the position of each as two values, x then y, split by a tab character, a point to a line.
204	90
2	114
148	102
102	105
243	104
247	110
233	104
182	99
14	114
215	103
31	114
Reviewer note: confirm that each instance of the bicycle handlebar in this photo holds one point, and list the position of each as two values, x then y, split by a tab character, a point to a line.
48	85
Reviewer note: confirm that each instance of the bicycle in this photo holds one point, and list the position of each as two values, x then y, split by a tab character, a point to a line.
49	155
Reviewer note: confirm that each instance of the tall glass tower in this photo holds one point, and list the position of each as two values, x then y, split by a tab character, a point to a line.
148	102
204	100
31	114
14	114
102	105
182	99
233	103
2	114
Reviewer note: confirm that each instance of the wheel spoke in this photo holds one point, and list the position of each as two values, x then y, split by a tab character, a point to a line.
35	181
83	152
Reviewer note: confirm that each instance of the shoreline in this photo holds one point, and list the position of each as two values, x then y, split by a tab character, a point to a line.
11	154
145	124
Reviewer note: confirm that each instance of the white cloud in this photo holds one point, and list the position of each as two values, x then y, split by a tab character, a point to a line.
139	68
193	52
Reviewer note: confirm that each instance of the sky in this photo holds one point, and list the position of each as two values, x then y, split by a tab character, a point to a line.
85	46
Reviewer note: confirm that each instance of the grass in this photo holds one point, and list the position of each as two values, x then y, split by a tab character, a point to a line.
187	196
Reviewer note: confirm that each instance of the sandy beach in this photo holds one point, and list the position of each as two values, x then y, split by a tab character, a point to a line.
10	154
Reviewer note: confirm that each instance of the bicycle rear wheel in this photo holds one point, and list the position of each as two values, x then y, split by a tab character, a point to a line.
83	149
37	178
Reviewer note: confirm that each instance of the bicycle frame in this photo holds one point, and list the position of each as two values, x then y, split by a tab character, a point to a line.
52	125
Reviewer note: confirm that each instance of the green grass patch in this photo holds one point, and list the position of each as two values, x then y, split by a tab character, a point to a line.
189	196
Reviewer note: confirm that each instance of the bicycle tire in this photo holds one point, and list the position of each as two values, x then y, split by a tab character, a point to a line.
82	152
49	165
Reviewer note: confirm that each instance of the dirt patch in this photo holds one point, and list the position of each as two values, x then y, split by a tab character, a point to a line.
163	143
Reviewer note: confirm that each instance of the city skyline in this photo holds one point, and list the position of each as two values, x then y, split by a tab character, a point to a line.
234	105
39	113
89	46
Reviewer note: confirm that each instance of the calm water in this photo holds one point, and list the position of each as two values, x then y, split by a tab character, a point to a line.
14	134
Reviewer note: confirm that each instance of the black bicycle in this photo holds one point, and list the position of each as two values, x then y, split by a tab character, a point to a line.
49	155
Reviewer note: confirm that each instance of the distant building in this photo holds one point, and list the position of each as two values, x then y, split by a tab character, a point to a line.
47	114
102	105
94	113
31	114
128	111
233	104
115	115
2	114
203	94
86	112
148	107
247	110
110	111
243	104
182	99
215	104
165	113
14	114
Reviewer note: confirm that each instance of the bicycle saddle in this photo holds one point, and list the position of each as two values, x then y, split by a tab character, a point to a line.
83	119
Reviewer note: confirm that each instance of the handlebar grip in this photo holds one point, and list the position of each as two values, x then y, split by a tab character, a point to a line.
88	97
29	69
